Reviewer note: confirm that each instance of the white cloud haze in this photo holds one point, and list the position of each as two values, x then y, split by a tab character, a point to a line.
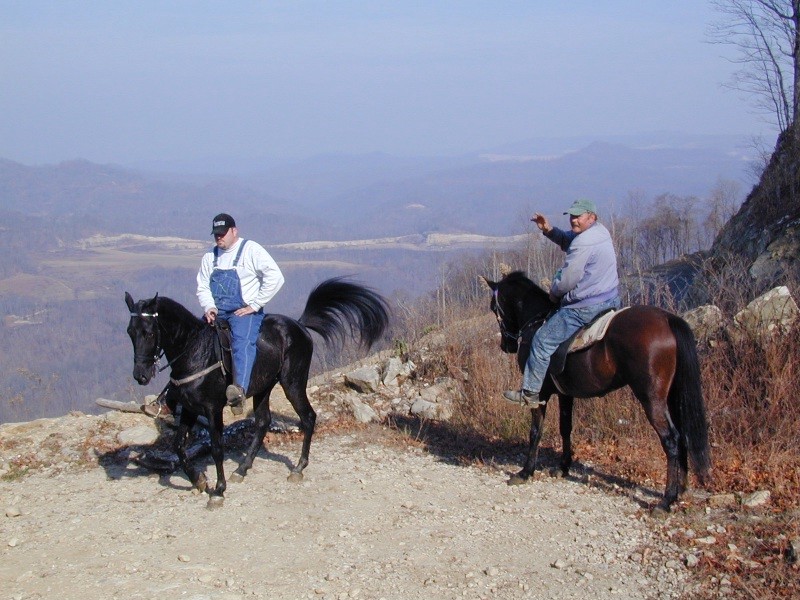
130	81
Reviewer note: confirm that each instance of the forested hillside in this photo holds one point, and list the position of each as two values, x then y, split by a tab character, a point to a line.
63	319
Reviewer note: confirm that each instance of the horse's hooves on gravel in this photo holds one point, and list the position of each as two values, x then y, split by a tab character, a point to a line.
215	502
295	477
660	511
516	480
236	478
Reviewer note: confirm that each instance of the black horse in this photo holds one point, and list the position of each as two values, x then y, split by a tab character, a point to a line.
335	309
646	348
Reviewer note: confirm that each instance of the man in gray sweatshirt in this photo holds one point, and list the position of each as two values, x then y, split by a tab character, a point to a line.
585	286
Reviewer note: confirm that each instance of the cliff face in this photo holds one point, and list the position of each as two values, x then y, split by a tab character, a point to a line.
764	233
758	249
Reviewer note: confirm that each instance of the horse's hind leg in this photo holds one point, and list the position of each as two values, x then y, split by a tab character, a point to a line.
296	393
655	407
263	419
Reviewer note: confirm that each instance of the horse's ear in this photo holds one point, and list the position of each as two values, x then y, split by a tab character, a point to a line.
505	269
489	285
129	301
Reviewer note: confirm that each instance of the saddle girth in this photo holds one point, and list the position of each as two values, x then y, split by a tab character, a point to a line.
222	345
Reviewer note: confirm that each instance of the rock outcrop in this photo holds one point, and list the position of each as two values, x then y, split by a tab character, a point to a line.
762	240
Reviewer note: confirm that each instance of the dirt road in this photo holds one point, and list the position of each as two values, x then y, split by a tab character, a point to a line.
370	520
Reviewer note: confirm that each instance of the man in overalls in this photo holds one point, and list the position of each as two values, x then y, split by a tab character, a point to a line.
236	279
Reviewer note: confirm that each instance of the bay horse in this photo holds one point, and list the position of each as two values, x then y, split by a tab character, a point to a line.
336	309
647	348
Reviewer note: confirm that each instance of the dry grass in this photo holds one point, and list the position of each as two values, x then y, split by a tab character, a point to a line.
752	396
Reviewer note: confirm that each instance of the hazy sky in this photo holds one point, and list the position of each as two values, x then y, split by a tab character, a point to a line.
123	81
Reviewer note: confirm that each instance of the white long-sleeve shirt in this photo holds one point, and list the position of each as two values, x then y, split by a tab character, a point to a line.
259	275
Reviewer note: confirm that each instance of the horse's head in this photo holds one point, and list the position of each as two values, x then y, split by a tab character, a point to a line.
517	303
146	337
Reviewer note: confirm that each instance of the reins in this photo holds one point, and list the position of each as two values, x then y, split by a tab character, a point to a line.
206	371
500	315
160	353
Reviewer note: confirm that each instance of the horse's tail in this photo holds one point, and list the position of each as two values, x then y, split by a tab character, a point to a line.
686	400
336	308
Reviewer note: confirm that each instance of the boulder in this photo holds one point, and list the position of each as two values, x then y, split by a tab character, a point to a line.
772	313
140	435
435	401
365	379
396	371
707	322
362	412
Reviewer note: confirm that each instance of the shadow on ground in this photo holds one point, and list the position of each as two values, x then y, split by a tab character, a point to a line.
459	446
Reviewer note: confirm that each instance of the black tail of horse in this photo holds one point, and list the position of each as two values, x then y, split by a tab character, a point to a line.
337	307
686	399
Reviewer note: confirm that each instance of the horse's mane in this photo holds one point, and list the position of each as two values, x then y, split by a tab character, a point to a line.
175	310
518	279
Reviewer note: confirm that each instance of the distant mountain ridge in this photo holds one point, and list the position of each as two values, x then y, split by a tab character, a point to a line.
490	196
369	196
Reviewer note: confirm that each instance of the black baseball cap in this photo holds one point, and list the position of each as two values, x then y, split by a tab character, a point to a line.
221	223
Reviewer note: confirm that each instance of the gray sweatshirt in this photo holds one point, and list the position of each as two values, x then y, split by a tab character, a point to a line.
589	273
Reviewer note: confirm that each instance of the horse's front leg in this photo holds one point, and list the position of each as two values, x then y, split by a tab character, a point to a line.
565	405
218	454
535	435
187	421
263	419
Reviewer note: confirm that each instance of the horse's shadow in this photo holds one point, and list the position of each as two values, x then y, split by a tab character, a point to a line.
461	447
159	459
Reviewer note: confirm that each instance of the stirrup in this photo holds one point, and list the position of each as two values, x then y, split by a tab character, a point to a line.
234	394
523	398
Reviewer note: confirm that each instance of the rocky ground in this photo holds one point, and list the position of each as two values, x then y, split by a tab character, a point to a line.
375	517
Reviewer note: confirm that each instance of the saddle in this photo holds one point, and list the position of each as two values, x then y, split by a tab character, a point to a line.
581	339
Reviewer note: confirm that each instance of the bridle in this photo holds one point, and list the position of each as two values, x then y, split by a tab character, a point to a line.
534	322
159	353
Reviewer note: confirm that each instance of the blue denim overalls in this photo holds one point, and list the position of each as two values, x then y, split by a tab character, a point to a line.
227	293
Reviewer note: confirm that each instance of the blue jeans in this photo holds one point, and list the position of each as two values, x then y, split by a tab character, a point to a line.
244	331
557	329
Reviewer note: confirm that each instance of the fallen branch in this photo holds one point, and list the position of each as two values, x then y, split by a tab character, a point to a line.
132	407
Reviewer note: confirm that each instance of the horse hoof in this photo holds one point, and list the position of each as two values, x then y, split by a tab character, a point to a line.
215	502
516	480
295	477
202	484
236	478
660	511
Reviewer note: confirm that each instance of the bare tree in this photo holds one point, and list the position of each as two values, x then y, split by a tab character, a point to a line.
767	34
723	202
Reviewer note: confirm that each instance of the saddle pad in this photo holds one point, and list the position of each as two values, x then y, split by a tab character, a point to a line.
594	332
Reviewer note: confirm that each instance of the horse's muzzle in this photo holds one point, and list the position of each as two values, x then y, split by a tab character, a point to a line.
144	373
